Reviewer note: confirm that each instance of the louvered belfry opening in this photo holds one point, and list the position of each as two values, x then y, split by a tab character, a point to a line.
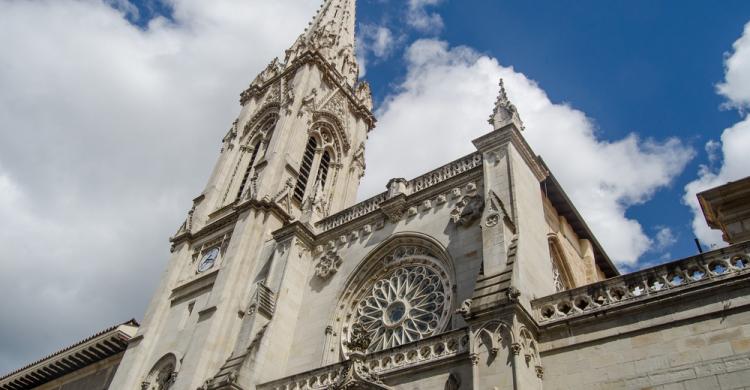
248	170
304	169
325	162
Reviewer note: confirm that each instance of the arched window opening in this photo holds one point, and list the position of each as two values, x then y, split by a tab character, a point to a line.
162	376
248	170
268	128
304	169
325	162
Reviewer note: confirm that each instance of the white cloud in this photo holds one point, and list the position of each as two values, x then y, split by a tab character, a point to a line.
374	41
444	102
665	238
107	132
736	86
423	20
735	141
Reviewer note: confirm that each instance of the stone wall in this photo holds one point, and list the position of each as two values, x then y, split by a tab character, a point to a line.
693	337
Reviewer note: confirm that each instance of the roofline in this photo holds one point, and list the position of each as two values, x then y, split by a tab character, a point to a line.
600	256
100	346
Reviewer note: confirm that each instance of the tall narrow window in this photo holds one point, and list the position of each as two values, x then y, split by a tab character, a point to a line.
248	170
325	162
304	169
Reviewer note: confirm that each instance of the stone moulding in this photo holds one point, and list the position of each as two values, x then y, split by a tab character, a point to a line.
433	349
420	183
660	281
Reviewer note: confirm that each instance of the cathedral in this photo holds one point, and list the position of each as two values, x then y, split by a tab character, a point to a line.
480	274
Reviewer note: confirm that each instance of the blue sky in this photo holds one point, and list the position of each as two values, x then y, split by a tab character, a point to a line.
632	66
111	114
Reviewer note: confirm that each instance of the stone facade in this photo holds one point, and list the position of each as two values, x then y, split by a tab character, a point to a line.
479	274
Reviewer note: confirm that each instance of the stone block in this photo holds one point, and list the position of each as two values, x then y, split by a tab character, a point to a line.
741	345
672	376
647	365
739	364
706	383
734	380
716	351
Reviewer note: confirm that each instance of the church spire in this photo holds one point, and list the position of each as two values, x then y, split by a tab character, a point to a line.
335	17
330	34
505	112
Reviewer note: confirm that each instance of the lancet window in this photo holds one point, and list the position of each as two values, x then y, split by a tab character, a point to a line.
249	169
325	163
305	168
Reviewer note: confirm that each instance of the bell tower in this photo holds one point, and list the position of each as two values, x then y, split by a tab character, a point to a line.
294	155
300	137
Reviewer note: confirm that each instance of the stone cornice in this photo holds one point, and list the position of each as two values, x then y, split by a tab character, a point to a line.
295	229
231	217
510	134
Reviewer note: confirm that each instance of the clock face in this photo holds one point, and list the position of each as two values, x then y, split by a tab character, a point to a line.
208	260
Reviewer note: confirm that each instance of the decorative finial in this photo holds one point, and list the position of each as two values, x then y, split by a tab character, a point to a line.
505	113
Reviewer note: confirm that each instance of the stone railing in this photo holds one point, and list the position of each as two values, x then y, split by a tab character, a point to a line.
429	350
445	172
321	378
420	183
352	213
664	279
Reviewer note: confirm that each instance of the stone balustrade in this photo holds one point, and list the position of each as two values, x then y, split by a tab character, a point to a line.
352	213
417	184
664	279
424	351
445	172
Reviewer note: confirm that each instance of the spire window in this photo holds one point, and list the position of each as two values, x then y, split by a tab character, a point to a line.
248	170
325	162
304	169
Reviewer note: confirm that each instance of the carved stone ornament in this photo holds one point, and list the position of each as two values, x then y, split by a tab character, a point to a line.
357	376
359	340
467	210
465	309
505	113
309	103
328	265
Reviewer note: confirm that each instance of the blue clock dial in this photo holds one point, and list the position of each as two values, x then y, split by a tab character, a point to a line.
208	260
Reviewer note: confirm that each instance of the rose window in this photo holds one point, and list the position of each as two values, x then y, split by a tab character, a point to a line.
407	305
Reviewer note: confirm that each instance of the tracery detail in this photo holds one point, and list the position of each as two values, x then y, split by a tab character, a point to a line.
403	307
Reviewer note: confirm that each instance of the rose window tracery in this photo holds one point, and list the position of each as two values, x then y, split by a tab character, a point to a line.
405	306
403	293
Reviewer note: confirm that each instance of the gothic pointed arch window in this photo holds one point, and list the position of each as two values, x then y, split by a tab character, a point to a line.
249	169
305	168
163	374
325	163
259	139
561	277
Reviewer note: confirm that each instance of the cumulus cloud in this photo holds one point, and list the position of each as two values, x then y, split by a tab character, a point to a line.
664	238
374	42
736	86
423	20
108	131
444	103
734	144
